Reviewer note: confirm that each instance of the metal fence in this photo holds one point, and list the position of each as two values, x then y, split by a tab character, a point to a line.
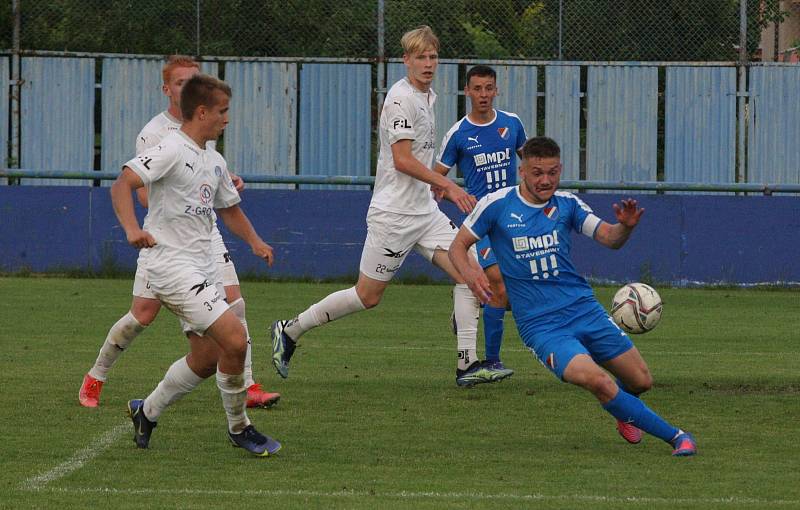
640	30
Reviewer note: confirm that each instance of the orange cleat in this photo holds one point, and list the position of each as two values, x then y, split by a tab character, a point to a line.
629	433
89	396
256	397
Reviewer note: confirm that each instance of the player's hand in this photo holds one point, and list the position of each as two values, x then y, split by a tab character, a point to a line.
141	239
629	213
462	199
264	251
238	183
479	285
438	193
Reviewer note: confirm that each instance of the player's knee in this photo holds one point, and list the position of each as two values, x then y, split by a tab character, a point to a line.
235	346
145	313
229	335
601	386
642	383
369	299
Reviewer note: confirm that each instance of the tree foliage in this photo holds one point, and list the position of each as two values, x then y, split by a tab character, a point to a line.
510	29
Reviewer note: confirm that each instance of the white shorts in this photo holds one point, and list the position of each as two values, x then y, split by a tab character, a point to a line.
141	287
195	300
391	236
225	267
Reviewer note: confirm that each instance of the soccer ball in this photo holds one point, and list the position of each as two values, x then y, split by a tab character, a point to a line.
636	308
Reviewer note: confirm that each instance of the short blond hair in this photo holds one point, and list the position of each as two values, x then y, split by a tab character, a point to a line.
418	40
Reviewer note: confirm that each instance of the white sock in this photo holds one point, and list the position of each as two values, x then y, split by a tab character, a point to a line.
234	400
334	306
237	307
467	309
177	382
119	337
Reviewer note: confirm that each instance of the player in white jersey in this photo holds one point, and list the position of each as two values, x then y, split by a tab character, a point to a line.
402	216
145	307
186	183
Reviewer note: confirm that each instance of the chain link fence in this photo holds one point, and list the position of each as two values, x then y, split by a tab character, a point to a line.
581	30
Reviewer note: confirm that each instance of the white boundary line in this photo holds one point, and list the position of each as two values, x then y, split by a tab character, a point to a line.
78	459
81	457
457	496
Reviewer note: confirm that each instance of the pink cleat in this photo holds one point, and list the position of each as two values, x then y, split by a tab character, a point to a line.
256	397
89	396
629	432
684	445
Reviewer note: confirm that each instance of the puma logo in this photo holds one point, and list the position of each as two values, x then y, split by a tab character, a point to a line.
473	138
517	217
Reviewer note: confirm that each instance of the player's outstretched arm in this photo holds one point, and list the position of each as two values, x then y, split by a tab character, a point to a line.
615	236
122	200
473	276
238	223
405	162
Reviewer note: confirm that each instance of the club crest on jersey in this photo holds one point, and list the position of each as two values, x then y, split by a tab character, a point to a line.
504	132
205	194
551	212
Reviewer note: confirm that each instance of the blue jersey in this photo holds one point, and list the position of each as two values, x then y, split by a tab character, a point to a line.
485	153
532	245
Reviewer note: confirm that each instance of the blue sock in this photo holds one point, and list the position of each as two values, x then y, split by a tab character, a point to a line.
493	331
630	409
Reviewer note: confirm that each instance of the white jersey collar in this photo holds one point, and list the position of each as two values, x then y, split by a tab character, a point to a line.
171	118
188	139
430	95
482	125
530	204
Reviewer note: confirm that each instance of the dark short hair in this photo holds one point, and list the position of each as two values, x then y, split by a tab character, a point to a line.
480	70
541	147
199	90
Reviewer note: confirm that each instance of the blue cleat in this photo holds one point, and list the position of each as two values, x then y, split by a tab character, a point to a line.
498	365
481	372
142	427
254	442
684	445
282	349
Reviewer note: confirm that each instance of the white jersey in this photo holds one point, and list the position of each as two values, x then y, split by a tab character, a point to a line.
160	126
151	134
185	184
407	115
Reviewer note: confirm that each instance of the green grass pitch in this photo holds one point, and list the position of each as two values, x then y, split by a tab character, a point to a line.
371	416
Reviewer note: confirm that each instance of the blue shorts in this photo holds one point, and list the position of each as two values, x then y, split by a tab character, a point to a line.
583	329
485	253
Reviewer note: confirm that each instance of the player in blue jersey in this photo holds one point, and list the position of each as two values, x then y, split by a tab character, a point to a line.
556	312
484	144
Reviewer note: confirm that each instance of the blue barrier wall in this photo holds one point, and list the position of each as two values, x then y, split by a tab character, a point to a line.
318	234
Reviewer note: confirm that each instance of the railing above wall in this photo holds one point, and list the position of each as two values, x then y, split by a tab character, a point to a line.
349	180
